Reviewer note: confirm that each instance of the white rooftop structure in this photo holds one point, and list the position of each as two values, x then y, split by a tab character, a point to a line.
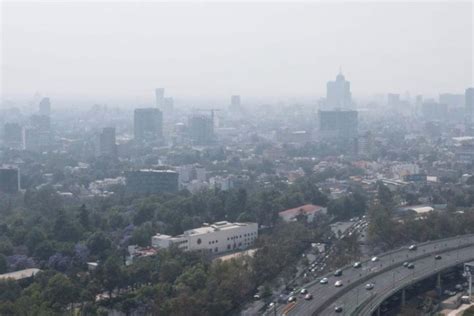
218	237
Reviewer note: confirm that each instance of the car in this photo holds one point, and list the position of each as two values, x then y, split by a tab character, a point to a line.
256	297
374	259
338	272
338	283
308	297
357	265
412	248
369	286
338	309
304	291
410	266
406	263
438	257
291	299
323	281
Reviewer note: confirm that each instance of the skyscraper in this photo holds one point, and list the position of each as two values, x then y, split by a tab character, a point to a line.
13	135
201	129
235	103
393	100
338	95
160	98
338	124
148	124
45	107
107	145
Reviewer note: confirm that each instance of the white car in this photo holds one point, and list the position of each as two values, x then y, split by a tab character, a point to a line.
291	299
308	297
369	286
338	283
304	291
357	264
412	248
374	259
323	281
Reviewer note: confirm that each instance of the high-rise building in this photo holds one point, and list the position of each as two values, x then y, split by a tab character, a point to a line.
151	181
45	107
148	124
168	105
201	129
160	97
338	95
434	111
469	105
452	100
338	124
393	100
9	180
13	135
41	122
235	105
107	145
37	140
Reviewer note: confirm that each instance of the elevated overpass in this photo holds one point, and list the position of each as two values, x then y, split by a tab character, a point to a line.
387	274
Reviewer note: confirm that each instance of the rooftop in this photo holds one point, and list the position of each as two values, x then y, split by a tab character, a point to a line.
21	274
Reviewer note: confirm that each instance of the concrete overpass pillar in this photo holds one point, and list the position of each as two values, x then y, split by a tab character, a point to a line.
438	282
403	297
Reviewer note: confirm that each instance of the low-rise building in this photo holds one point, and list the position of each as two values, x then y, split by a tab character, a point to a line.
150	181
216	238
308	210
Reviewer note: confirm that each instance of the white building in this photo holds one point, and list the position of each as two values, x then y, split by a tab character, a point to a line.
216	238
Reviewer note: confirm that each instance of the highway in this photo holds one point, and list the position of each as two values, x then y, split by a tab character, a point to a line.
387	274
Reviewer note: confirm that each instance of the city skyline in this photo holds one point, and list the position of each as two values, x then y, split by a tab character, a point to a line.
291	59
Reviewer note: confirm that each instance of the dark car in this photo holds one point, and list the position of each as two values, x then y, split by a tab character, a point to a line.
338	272
438	257
411	266
338	309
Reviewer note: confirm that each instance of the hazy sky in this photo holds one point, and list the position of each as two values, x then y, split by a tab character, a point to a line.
194	49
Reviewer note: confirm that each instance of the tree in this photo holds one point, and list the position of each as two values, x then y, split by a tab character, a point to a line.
60	291
3	264
83	216
98	243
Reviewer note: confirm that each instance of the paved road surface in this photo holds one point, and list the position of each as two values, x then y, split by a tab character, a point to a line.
385	274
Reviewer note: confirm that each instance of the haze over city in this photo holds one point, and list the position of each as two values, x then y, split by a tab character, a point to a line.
237	159
211	50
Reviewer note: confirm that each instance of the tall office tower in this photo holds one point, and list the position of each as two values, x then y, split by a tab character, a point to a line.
201	129
338	124
235	104
452	100
13	135
393	100
41	122
107	145
37	140
148	124
168	105
434	111
160	98
338	95
45	107
469	105
9	180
